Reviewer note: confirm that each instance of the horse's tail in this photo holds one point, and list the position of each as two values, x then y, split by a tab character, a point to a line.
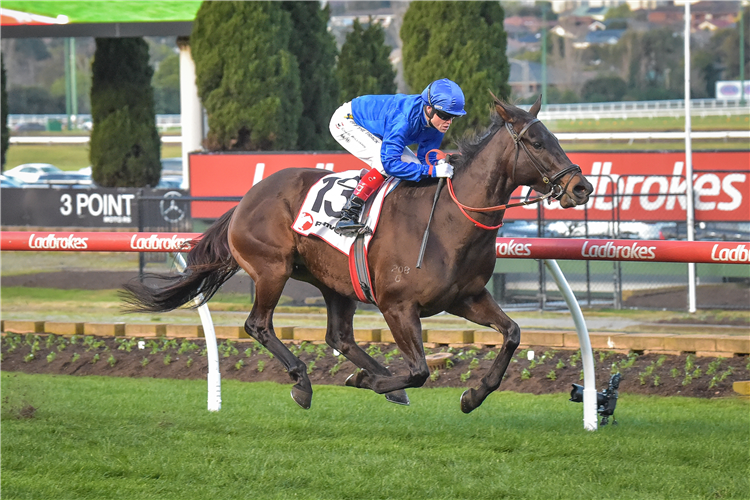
209	265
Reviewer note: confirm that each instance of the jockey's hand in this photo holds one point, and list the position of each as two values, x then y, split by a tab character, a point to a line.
443	169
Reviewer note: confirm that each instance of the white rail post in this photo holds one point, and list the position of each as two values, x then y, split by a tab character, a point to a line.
590	422
212	350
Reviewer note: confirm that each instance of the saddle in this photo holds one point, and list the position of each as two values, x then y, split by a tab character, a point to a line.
322	209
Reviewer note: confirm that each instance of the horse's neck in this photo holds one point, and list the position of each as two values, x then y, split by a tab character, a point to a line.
485	181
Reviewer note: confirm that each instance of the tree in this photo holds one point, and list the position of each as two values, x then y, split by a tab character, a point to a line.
34	101
620	12
4	132
604	89
315	50
247	78
364	65
655	64
125	147
463	41
731	48
166	84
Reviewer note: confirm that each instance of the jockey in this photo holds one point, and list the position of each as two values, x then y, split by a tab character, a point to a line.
378	128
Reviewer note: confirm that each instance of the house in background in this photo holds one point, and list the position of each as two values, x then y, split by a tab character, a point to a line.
601	37
526	78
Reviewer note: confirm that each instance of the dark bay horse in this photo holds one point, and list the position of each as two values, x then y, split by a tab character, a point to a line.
256	236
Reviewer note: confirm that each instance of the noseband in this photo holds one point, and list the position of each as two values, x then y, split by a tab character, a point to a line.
556	190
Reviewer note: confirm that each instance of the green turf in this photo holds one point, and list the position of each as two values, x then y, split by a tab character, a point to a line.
115	11
70	437
660	124
64	156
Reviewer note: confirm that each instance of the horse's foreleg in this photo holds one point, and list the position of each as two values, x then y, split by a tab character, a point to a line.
340	336
259	325
407	332
483	309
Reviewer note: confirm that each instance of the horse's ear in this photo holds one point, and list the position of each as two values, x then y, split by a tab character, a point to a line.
536	106
502	109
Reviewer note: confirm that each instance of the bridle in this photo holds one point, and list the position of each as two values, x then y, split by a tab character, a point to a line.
556	190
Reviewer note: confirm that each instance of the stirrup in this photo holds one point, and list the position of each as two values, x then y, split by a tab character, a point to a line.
348	227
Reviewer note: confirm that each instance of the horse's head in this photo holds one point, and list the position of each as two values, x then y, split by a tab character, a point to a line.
544	165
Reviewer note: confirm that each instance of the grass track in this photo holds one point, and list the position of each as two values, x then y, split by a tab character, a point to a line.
65	156
93	437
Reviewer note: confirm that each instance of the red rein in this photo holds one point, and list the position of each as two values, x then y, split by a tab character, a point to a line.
463	208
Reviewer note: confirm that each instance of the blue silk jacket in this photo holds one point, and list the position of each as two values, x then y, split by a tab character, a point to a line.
399	121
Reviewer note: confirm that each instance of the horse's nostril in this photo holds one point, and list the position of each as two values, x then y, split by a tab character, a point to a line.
580	190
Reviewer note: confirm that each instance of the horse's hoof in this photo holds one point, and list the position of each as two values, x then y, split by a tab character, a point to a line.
398	397
467	405
302	398
350	381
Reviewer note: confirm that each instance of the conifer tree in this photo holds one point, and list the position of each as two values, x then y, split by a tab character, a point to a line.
315	50
463	41
4	133
247	78
125	147
364	67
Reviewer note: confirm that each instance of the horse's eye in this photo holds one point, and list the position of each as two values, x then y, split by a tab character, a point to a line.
537	145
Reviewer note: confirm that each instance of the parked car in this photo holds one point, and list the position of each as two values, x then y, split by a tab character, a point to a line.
30	172
9	182
583	229
64	179
169	182
30	127
525	229
171	166
708	231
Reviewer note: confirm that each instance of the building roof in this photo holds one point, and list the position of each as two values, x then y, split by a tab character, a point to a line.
610	37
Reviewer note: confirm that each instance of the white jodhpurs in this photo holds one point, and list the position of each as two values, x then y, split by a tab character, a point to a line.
359	141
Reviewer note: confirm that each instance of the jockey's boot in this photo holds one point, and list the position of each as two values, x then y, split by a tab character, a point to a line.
349	223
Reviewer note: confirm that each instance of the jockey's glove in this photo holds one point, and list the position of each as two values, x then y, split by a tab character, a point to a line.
443	169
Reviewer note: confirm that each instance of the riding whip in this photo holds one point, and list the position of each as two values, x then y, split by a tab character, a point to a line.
429	221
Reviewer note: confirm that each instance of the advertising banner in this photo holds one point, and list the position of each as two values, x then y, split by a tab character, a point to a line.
648	186
731	90
709	252
100	208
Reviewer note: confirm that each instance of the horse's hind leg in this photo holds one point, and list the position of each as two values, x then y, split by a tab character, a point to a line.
483	309
259	325
340	336
403	319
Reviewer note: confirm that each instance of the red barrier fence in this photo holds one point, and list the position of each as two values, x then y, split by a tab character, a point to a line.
66	241
700	252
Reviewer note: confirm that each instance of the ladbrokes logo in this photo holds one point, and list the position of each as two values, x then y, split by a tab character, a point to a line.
736	254
611	250
513	249
52	242
153	242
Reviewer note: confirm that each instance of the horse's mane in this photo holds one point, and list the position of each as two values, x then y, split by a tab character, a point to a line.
470	145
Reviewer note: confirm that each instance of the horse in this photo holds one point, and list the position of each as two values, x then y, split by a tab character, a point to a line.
256	236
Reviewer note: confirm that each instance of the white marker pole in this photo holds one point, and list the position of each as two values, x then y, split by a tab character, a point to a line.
590	422
212	350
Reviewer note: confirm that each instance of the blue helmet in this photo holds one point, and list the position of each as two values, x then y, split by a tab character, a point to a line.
446	96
